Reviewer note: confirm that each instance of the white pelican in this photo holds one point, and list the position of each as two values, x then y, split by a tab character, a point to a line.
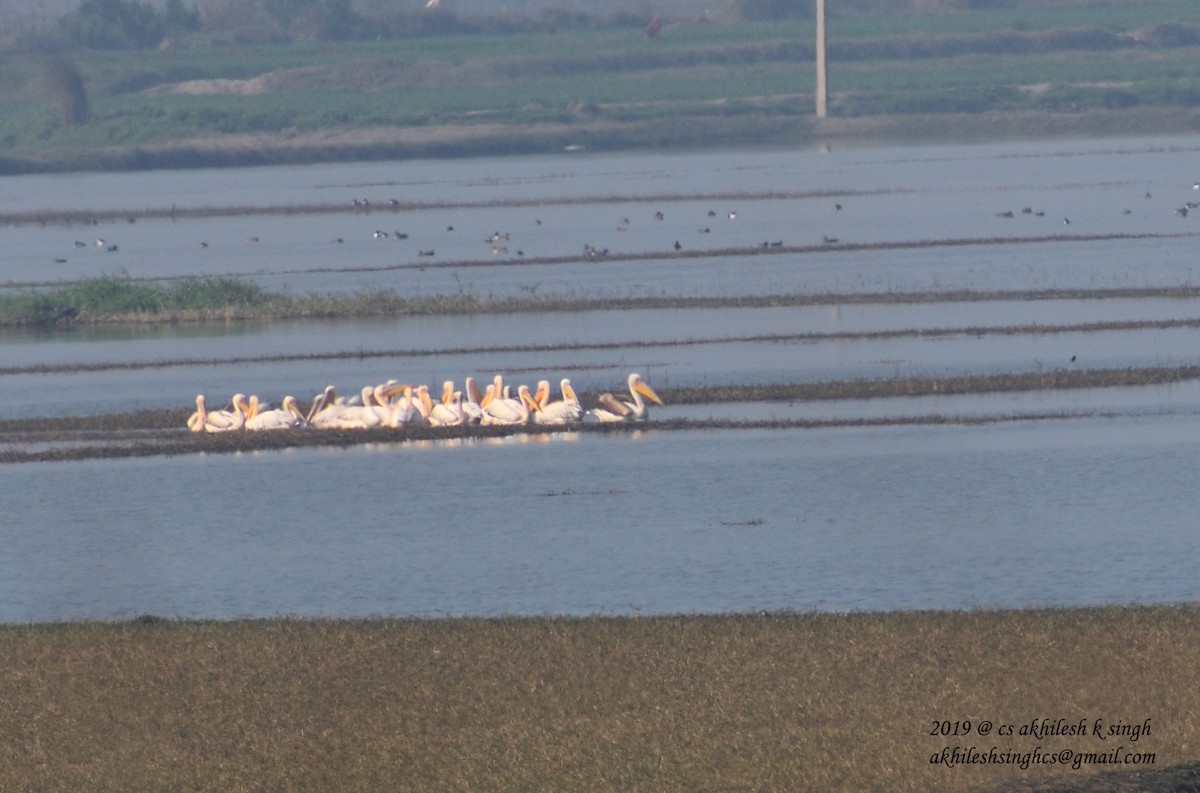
384	394
470	401
219	420
326	400
248	407
499	410
252	406
197	420
494	391
410	408
286	416
470	391
449	413
404	412
422	401
354	417
472	413
614	408
563	411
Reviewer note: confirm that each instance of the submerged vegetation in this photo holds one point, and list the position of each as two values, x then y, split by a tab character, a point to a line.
779	701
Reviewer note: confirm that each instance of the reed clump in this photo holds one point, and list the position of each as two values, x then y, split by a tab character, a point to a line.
115	299
120	299
829	702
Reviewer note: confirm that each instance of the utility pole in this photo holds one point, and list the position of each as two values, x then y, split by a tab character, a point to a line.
820	58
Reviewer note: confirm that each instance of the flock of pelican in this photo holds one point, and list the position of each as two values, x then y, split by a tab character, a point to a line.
394	404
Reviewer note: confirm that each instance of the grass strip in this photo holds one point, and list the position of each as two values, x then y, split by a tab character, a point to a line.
784	701
123	300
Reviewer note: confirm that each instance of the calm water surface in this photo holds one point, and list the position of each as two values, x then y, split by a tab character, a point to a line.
1064	498
1070	512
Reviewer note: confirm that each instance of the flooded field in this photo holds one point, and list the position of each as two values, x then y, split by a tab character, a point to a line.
884	272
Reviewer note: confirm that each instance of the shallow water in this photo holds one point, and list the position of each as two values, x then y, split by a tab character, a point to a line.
1063	498
897	195
243	364
1074	512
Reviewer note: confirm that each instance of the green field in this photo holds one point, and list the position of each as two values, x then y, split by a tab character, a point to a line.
1092	68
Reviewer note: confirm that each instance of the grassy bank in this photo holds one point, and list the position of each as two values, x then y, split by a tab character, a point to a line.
739	702
1078	69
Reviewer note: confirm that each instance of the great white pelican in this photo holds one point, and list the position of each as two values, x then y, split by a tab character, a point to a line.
286	416
562	411
204	420
613	408
501	410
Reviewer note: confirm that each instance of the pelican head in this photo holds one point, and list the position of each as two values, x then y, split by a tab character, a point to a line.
321	401
568	391
527	398
470	391
425	402
638	385
196	421
289	404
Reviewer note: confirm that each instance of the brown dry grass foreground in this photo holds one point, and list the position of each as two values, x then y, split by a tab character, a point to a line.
800	702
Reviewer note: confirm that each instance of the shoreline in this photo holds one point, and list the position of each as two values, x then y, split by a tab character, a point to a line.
454	141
